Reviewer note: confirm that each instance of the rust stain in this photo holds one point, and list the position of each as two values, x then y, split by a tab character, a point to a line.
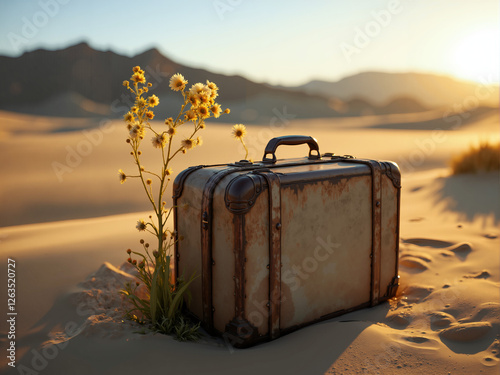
256	310
308	267
287	312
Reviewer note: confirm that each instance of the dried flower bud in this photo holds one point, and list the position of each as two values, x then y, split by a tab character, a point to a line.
129	251
146	245
134	262
129	260
149	181
141	241
155	254
137	283
141	265
127	140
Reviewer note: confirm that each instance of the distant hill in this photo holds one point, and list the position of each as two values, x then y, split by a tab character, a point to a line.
80	81
379	88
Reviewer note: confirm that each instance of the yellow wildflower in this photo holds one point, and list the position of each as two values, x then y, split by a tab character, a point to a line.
204	98
160	140
150	115
138	78
122	176
169	121
213	89
212	86
126	83
197	88
177	82
128	117
199	141
203	111
153	101
141	225
188	143
137	131
190	115
171	131
141	102
194	99
216	110
136	69
169	171
239	131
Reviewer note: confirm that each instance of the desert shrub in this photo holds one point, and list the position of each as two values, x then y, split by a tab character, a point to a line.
482	158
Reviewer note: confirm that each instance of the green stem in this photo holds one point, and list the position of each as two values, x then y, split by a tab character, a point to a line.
246	149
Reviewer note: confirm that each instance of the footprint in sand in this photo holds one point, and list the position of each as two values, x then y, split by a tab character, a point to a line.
416	339
465	332
415	260
427	242
399	320
447	249
440	320
415	293
461	250
489	361
416	219
478	275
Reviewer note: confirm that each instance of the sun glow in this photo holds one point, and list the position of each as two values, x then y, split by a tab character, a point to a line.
476	57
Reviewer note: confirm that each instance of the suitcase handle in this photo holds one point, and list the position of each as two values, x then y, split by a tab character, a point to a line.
290	140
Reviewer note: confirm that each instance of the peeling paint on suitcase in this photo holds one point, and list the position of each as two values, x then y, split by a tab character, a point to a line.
282	244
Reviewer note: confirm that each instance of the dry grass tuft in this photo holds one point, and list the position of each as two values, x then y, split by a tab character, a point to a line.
482	158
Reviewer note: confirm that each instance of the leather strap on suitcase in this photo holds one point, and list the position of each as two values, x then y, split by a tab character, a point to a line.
376	171
274	252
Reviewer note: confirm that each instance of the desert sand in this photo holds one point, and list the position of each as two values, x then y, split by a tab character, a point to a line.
68	234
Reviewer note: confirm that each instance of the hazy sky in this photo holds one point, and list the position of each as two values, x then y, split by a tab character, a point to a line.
281	42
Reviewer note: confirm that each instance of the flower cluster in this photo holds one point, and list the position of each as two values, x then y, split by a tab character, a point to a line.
162	308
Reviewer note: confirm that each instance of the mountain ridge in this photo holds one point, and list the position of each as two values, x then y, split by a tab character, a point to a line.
57	82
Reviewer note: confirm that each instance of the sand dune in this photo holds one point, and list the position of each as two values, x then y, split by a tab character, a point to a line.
72	174
445	318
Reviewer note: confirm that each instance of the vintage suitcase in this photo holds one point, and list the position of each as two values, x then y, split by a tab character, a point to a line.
280	244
